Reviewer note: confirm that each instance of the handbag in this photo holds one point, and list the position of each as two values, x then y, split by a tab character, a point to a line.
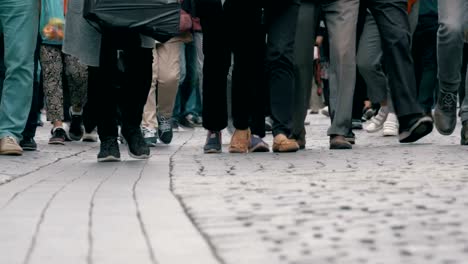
158	19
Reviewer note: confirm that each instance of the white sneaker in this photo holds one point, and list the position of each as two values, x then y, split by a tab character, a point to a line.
391	126
150	136
376	123
325	111
90	137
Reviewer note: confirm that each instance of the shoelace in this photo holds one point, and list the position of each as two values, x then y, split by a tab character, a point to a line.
449	101
164	124
10	140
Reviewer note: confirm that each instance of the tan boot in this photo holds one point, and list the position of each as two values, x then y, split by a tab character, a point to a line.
9	146
240	141
282	143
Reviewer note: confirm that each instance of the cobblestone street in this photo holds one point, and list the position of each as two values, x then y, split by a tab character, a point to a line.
382	202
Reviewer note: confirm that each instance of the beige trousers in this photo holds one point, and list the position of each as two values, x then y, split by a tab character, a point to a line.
166	74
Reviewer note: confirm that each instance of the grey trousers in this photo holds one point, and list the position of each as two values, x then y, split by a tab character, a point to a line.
369	59
453	19
341	20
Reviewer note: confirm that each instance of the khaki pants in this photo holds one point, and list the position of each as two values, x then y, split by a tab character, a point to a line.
166	74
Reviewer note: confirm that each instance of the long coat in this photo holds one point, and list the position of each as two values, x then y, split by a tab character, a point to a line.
82	40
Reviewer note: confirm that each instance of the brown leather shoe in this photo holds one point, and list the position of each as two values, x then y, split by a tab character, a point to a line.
339	142
282	143
240	141
9	146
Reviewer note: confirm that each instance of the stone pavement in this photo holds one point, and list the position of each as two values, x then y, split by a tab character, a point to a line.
379	203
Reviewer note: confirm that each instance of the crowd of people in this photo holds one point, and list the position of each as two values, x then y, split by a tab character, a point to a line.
396	66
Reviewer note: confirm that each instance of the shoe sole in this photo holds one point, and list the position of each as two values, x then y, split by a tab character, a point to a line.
422	128
62	143
259	149
140	157
91	140
286	150
11	153
29	148
109	159
212	151
341	147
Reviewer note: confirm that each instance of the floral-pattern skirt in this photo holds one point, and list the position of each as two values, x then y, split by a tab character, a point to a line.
55	67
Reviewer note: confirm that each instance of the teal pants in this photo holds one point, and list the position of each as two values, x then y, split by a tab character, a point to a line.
18	25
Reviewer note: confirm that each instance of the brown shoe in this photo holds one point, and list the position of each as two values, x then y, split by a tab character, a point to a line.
9	146
282	143
339	142
240	141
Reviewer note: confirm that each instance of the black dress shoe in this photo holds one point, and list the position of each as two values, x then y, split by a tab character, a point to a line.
445	114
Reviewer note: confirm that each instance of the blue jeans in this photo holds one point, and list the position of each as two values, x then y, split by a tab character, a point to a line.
188	99
19	25
453	18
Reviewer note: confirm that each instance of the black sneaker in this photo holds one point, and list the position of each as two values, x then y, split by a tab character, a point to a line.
445	114
187	122
109	151
59	136
165	129
464	134
76	126
414	127
213	143
28	144
137	147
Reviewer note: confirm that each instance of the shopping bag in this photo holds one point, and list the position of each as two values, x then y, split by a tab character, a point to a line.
155	18
52	21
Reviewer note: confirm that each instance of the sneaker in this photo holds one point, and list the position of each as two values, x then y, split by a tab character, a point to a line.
414	127
109	151
213	143
445	114
376	123
268	124
356	124
165	129
90	137
367	114
76	125
9	146
464	134
390	127
59	136
240	141
175	125
186	122
325	111
28	144
258	145
281	143
193	120
137	147
339	142
150	136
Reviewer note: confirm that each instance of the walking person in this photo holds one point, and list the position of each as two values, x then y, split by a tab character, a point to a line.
342	50
453	20
391	18
128	94
18	25
57	69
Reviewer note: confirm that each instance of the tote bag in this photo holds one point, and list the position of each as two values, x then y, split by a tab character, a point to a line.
52	22
158	19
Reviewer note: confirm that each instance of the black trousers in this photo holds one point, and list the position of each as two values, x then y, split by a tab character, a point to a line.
236	28
425	60
223	36
37	99
392	20
123	88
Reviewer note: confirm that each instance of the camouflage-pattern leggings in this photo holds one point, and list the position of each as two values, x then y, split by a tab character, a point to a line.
56	66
